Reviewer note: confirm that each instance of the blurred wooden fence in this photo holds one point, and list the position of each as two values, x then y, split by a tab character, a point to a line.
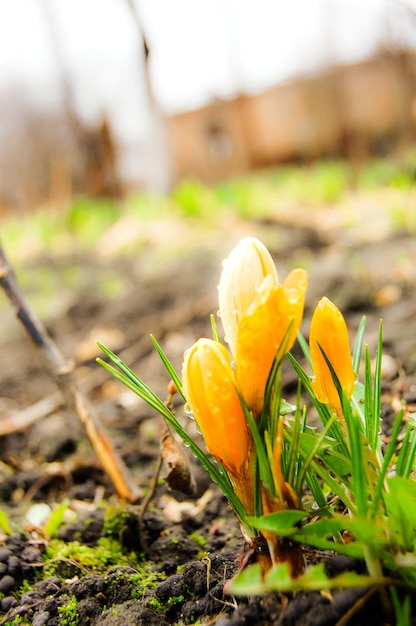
352	111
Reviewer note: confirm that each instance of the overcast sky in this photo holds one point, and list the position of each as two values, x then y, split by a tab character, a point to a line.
200	49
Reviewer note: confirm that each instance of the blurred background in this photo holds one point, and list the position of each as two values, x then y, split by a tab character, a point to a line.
141	139
109	97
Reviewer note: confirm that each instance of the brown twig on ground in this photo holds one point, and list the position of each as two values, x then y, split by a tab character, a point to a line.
149	497
61	372
31	414
136	350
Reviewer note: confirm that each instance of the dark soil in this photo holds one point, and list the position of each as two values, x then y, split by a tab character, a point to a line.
189	545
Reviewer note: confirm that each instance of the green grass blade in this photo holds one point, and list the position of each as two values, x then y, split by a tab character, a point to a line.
305	349
270	414
306	465
292	466
373	428
214	327
258	504
323	410
388	455
316	489
125	375
337	487
406	457
169	367
139	388
358	467
358	347
368	389
265	473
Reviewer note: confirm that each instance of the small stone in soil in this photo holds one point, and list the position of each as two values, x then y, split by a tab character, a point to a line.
50	585
7	583
31	597
7	603
41	619
13	565
30	554
4	555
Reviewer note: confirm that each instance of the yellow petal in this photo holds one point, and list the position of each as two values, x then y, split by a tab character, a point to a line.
257	344
329	330
262	330
294	288
212	397
242	277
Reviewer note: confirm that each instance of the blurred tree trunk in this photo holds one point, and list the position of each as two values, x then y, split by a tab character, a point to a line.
96	173
158	157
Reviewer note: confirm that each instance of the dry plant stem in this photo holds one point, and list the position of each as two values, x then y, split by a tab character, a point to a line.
357	606
61	372
147	500
28	416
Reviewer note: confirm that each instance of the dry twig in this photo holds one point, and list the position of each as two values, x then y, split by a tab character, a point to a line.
31	414
61	372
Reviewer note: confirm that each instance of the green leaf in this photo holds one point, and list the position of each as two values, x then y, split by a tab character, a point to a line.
400	500
379	489
356	358
284	524
357	445
354	549
281	523
4	523
314	578
316	489
373	428
305	349
370	534
214	328
336	462
324	527
265	472
250	582
168	366
125	375
286	408
56	518
325	414
406	461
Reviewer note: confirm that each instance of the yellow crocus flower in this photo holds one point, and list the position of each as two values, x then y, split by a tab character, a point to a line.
329	331
256	312
242	277
212	397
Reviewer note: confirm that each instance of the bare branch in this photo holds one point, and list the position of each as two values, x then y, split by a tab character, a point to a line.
61	372
31	414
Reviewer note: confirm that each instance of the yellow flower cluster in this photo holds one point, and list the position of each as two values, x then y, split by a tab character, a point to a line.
261	318
258	314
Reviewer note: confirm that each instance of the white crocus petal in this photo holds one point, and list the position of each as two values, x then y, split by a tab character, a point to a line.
242	277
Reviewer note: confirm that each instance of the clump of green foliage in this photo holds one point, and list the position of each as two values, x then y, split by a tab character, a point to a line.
69	612
59	555
252	196
116	520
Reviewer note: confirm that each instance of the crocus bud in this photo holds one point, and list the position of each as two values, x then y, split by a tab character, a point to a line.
209	388
242	277
256	312
328	332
